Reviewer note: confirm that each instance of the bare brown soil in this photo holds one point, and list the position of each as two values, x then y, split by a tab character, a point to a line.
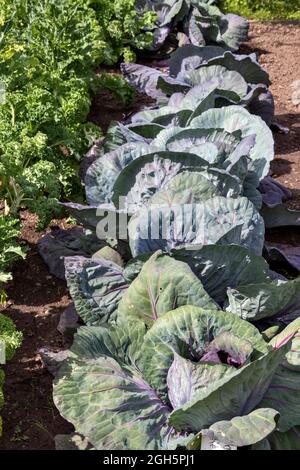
278	47
37	299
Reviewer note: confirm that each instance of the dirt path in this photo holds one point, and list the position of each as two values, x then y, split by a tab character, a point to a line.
36	299
278	47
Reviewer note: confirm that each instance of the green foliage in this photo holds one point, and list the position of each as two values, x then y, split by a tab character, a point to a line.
116	84
49	53
9	335
122	29
12	339
264	9
43	130
9	250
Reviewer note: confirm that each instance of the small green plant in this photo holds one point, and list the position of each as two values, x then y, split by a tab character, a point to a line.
10	339
9	250
9	336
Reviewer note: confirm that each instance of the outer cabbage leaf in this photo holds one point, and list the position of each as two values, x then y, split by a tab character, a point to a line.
273	193
252	429
158	227
247	430
253	302
103	394
103	173
280	216
289	440
284	252
220	267
246	65
236	31
284	390
144	79
162	285
55	246
231	396
118	134
96	287
260	101
190	57
91	215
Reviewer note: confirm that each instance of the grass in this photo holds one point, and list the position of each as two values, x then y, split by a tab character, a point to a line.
263	9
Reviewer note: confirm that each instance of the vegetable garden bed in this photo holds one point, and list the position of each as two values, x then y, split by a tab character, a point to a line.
31	420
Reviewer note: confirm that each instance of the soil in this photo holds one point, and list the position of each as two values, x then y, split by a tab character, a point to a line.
105	109
278	48
36	299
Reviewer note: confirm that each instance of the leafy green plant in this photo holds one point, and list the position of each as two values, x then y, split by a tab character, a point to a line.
123	29
10	339
9	336
264	9
9	250
49	53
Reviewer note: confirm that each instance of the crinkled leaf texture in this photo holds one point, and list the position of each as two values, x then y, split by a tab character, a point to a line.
59	244
144	79
96	286
147	174
211	222
103	173
104	395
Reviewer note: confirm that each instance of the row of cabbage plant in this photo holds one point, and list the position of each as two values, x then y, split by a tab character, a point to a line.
190	339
